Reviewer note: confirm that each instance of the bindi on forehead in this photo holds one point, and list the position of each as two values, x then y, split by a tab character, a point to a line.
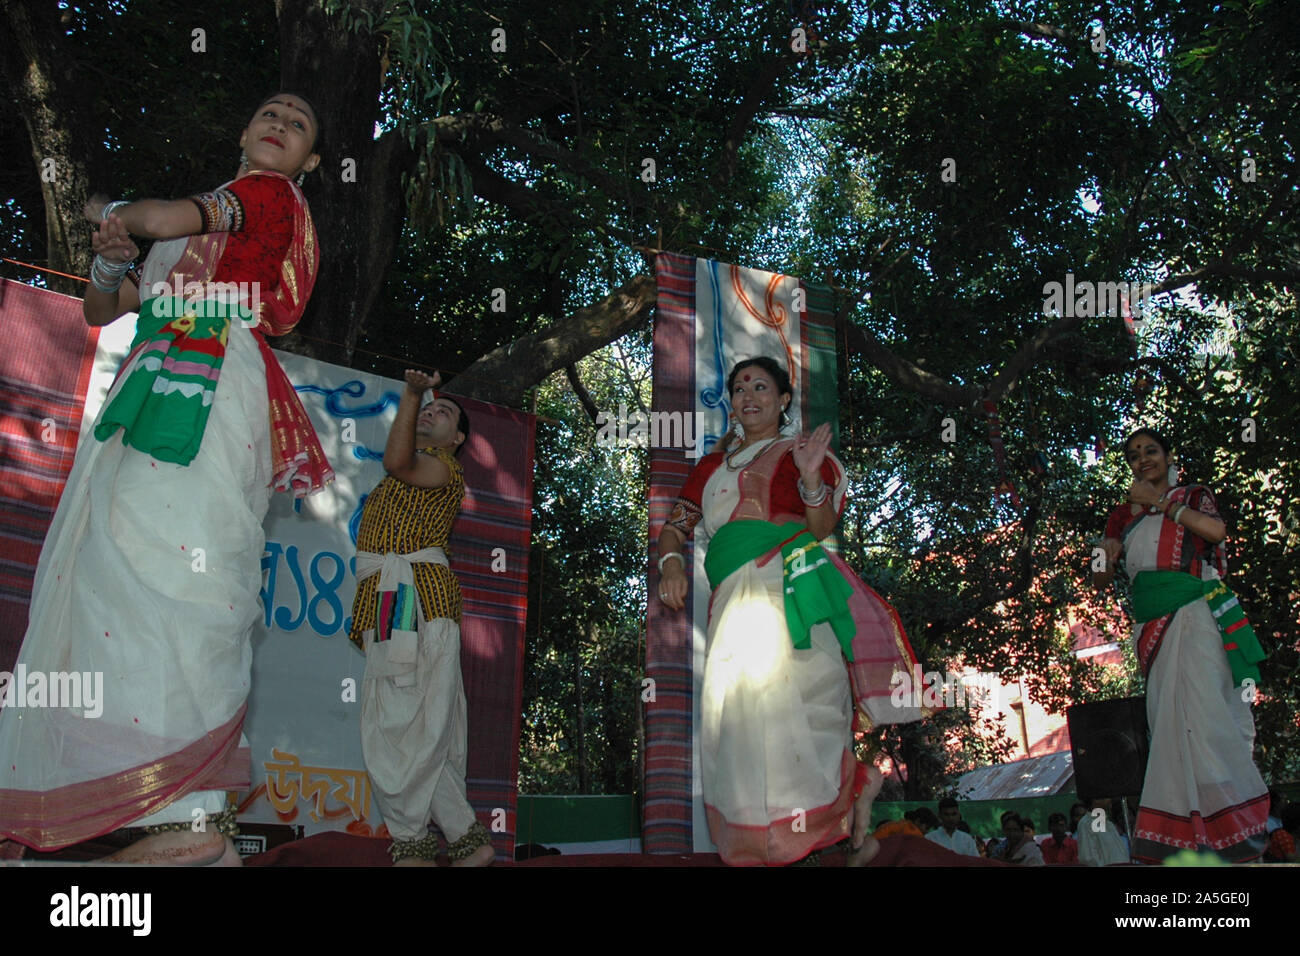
746	377
301	107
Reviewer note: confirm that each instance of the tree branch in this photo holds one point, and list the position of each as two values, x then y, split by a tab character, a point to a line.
580	390
455	130
907	375
1027	355
1222	264
760	89
504	374
1044	31
1104	365
492	186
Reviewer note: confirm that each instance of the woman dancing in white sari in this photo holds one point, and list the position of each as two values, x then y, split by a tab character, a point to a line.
151	570
1197	650
778	770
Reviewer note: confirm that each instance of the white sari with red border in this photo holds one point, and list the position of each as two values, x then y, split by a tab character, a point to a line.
150	578
1202	789
776	749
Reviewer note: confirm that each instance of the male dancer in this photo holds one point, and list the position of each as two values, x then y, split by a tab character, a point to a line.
406	619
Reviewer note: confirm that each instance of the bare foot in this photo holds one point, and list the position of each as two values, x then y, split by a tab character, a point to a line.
865	846
483	856
865	853
415	861
230	858
179	848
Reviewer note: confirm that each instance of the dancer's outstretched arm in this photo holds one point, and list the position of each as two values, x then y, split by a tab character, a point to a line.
152	218
400	458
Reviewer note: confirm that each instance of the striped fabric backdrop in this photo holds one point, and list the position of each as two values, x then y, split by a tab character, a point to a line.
489	553
44	368
667	814
709	316
48	365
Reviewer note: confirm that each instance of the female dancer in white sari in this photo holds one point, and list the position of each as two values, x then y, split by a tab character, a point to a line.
151	570
1202	789
778	770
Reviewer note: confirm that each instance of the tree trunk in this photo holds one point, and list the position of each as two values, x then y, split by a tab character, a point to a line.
44	87
356	193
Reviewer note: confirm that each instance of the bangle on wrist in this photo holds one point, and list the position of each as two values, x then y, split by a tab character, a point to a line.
813	499
107	276
110	207
1178	511
672	554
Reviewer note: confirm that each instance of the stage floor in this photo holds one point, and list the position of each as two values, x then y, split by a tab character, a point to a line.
343	849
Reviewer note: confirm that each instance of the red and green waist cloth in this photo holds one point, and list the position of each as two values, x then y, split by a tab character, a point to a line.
1157	594
170	376
815	590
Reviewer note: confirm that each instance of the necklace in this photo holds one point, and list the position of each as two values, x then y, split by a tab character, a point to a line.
1155	508
761	443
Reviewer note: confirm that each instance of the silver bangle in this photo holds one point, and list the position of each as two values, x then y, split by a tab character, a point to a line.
672	554
107	276
813	499
109	207
1177	511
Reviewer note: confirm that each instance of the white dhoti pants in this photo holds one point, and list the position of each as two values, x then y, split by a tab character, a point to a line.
413	734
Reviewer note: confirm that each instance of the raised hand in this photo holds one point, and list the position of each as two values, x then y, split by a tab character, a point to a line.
810	450
420	382
94	207
1143	493
112	241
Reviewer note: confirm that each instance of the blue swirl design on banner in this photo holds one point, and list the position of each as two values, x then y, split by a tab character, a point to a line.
334	398
353	389
715	397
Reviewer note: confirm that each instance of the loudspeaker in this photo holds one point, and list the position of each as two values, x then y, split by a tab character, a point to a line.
1110	744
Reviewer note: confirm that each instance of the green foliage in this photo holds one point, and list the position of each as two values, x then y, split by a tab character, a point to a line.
1124	163
1110	166
582	686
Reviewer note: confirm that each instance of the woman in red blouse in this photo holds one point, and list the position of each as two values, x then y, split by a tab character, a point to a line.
778	771
151	570
1199	656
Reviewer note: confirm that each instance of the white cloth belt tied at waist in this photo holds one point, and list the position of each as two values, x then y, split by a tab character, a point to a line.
399	652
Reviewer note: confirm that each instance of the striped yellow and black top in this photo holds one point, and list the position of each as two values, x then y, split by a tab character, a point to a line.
403	518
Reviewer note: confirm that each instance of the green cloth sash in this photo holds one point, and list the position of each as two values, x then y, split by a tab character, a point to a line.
171	377
1158	593
815	590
